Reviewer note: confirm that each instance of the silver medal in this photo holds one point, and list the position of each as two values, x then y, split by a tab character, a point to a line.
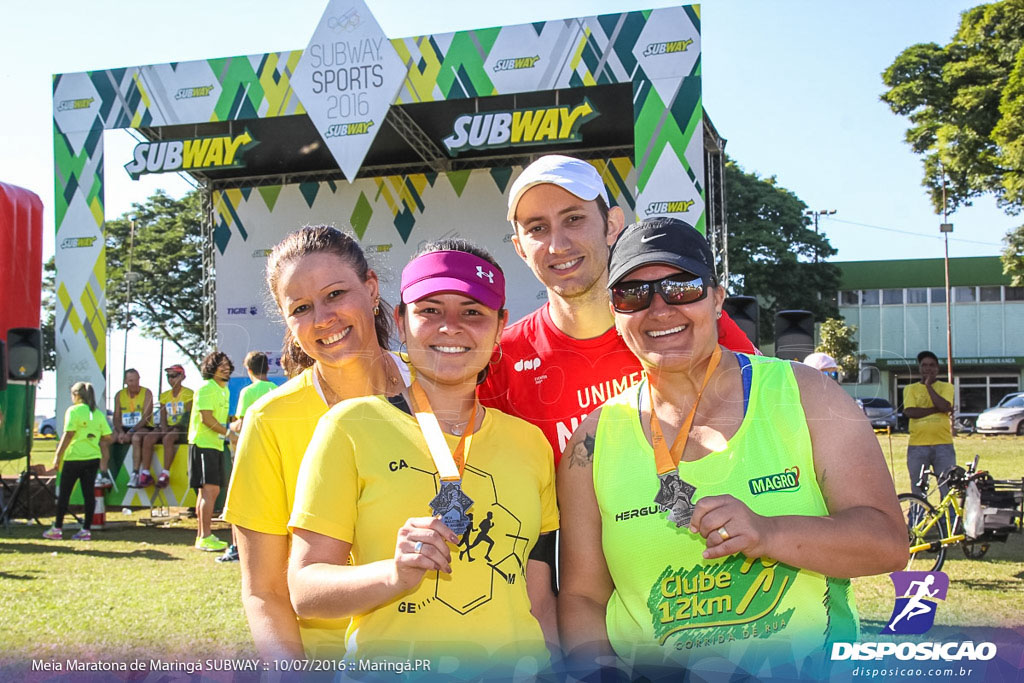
452	504
675	496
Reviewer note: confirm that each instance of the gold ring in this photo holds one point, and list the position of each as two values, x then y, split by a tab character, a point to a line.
723	533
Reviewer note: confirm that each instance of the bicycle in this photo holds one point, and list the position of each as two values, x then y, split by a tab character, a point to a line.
932	529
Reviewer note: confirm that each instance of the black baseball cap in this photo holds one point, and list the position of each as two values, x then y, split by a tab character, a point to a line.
661	240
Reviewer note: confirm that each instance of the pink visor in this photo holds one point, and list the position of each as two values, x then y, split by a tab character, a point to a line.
453	271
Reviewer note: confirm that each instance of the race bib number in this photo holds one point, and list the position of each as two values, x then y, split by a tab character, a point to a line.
131	419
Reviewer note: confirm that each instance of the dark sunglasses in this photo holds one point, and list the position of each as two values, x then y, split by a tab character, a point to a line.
173	374
636	295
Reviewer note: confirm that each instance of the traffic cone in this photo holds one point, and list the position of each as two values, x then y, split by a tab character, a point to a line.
99	515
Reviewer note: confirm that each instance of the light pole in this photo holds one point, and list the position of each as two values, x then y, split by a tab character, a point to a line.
822	212
945	229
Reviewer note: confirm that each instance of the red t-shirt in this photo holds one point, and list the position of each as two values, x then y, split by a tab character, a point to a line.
554	381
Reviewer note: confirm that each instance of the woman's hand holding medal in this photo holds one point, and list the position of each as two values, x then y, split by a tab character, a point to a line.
730	527
422	547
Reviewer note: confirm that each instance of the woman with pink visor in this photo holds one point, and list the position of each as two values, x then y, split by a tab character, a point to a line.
446	508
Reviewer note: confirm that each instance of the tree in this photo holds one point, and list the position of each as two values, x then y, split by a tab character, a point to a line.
1013	256
837	340
772	250
48	316
165	252
965	102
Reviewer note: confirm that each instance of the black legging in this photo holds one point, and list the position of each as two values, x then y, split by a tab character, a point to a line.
84	472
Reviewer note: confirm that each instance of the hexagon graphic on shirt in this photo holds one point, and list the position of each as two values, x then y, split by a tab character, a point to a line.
491	553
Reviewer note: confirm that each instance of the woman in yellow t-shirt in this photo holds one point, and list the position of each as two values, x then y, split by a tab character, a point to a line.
337	330
472	507
82	447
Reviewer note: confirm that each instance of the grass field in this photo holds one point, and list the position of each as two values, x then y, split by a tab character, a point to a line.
137	591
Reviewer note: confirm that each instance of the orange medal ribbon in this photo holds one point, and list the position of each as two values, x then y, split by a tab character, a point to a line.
668	460
421	406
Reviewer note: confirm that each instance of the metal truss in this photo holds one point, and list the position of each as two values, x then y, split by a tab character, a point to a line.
209	303
416	138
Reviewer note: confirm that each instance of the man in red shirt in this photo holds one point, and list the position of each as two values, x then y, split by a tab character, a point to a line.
563	360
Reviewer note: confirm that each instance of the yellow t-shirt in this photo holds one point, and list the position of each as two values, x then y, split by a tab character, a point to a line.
175	405
131	408
276	430
367	470
932	429
213	397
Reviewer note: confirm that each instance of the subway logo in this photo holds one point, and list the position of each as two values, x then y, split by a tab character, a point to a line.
519	127
195	154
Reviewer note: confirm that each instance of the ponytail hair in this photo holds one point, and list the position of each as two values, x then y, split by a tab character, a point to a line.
85	392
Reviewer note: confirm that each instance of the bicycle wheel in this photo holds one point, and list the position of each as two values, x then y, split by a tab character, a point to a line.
918	513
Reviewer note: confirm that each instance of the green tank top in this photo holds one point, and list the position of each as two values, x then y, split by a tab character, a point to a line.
669	603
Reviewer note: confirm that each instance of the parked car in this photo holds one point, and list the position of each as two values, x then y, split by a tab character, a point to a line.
48	427
880	413
1006	417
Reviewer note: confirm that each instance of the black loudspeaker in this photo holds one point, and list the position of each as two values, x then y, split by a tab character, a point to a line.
25	354
3	365
746	314
794	334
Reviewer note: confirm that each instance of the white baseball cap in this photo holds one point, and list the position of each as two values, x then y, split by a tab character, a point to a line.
821	361
570	174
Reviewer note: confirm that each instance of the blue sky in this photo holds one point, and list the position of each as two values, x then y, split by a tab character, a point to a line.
793	86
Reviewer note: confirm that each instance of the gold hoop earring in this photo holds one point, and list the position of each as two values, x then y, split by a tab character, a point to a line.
501	354
405	359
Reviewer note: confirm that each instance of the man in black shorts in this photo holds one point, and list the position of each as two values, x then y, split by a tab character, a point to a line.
208	435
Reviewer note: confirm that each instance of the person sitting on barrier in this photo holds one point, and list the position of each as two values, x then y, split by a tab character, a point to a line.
337	331
175	410
78	458
381	467
133	420
774	486
208	437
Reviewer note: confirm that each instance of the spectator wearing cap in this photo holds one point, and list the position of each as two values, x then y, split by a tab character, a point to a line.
714	496
564	359
175	407
823	362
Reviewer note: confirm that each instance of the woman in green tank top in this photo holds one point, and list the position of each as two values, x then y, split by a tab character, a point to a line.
720	507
